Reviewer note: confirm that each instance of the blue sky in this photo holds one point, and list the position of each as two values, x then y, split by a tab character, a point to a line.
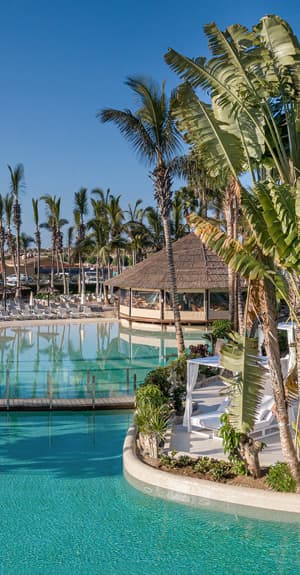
62	60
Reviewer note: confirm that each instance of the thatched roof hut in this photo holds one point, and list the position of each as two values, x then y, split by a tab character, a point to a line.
196	267
198	271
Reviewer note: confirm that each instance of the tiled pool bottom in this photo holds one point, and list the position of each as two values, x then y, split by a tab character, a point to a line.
65	509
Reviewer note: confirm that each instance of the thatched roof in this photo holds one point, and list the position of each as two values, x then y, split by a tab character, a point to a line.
196	268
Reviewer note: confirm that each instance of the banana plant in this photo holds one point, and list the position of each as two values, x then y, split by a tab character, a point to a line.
253	79
246	389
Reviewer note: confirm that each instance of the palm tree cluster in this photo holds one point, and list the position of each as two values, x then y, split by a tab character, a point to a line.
102	232
246	124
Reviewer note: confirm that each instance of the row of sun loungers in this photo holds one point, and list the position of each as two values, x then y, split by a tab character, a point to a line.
54	311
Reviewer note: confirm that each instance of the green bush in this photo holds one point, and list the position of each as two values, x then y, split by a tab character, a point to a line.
161	378
215	469
221	328
279	478
202	465
150	393
230	438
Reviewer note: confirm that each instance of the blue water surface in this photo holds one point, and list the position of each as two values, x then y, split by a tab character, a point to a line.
65	509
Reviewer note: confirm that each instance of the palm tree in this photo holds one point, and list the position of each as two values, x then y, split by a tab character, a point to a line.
115	216
54	225
155	229
136	229
16	185
99	236
80	211
8	206
2	241
70	234
25	242
37	235
154	136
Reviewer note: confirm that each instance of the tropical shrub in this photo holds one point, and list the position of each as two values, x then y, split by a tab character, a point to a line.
151	393
221	328
159	377
215	469
279	478
230	438
152	418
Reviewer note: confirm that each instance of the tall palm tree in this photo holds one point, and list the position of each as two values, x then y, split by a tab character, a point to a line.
25	242
2	241
154	136
115	218
138	233
80	211
70	234
8	207
16	185
54	225
155	229
37	235
99	237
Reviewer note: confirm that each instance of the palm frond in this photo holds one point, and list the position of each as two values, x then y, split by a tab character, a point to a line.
134	131
247	384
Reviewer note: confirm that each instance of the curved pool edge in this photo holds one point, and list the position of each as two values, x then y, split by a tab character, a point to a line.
249	502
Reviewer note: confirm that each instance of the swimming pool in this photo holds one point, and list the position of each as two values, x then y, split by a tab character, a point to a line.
66	509
66	357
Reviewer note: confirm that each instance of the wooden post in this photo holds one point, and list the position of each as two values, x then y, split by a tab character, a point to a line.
93	391
7	390
49	390
88	383
134	382
127	380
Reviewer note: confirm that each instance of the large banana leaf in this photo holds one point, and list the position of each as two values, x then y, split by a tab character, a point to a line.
237	255
271	212
221	150
247	384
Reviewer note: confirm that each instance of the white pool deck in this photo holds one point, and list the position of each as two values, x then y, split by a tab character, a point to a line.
194	444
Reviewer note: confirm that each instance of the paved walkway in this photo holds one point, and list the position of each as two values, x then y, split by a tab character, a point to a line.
208	399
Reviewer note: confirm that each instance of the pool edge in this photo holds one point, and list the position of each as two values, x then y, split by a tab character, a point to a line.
255	503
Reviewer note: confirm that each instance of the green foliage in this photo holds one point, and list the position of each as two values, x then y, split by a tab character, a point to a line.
152	419
279	478
221	328
202	465
246	388
149	393
159	377
184	461
230	438
215	469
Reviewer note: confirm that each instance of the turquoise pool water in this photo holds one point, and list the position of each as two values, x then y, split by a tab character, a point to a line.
64	358
65	509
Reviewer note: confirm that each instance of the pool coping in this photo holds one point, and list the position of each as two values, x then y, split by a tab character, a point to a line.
246	501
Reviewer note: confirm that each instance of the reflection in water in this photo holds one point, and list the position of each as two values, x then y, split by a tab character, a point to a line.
62	360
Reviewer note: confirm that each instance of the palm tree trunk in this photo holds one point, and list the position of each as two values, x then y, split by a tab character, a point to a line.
52	263
97	277
231	209
173	287
269	320
25	262
38	270
3	263
17	221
